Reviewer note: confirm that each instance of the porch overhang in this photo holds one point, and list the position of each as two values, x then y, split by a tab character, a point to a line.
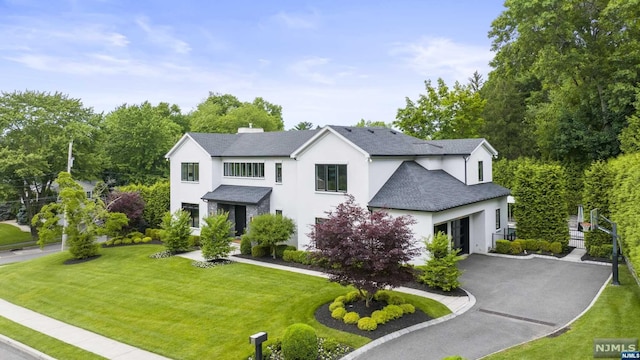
236	194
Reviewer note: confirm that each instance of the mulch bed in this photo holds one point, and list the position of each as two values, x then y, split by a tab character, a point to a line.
323	315
587	257
80	261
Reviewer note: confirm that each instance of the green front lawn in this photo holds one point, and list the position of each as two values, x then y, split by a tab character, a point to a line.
616	314
10	234
172	308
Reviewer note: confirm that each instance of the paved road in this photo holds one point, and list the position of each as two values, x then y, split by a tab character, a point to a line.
516	301
8	352
8	257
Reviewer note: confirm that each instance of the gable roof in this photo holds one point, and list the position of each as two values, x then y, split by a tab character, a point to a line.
236	194
412	187
372	141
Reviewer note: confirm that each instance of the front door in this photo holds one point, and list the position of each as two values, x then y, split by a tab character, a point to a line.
460	234
240	219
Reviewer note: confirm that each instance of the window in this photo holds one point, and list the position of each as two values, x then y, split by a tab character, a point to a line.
252	170
278	212
331	178
194	213
497	218
279	173
190	171
480	171
320	220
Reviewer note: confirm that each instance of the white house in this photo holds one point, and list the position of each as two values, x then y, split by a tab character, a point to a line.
445	184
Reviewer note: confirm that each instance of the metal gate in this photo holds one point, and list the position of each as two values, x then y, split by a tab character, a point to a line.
576	239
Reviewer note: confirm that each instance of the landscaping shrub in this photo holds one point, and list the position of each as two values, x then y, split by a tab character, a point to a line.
555	247
259	251
280	249
601	251
154	234
367	324
194	241
270	230
596	238
108	242
407	308
382	295
441	271
503	246
395	299
117	242
137	240
545	245
516	247
341	299
215	236
300	343
146	239
245	245
176	231
353	296
297	256
394	311
531	245
339	313
127	241
380	316
351	318
336	304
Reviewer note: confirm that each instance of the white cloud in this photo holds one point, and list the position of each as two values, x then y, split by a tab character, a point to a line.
296	21
441	57
308	69
162	36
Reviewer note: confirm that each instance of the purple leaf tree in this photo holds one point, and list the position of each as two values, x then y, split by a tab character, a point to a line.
368	250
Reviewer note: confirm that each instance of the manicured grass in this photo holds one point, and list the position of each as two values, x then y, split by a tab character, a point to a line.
615	315
170	307
10	234
44	343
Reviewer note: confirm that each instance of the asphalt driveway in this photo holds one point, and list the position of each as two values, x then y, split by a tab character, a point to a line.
516	301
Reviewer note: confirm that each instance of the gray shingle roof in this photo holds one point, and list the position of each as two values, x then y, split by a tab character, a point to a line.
412	187
238	194
378	141
281	143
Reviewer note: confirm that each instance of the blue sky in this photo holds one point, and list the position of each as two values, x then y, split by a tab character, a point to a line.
327	62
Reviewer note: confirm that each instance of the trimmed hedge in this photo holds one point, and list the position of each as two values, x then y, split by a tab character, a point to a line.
555	247
515	247
245	245
602	251
503	246
300	342
260	251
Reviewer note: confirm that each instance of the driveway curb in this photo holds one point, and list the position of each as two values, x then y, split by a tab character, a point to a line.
25	348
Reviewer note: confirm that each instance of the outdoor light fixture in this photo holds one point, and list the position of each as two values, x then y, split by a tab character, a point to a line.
257	339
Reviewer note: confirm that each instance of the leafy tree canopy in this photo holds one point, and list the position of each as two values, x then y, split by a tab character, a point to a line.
225	114
443	113
270	230
366	250
138	137
36	130
303	125
369	123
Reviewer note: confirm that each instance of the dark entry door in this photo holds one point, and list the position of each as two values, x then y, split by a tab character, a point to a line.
241	219
460	234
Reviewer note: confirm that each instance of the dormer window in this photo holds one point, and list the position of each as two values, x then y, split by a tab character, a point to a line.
480	171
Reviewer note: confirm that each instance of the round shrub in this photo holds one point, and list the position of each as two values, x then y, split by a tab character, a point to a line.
245	246
135	234
259	251
341	299
336	304
407	308
117	242
300	342
394	311
380	316
353	296
544	245
339	313
395	299
516	247
382	295
503	246
330	344
351	318
367	324
137	240
555	247
108	243
146	239
127	241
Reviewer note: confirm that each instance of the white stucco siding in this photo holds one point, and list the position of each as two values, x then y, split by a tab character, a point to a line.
190	191
454	166
312	204
430	162
481	154
380	170
422	230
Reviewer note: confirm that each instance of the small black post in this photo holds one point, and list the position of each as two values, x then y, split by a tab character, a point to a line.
614	263
257	340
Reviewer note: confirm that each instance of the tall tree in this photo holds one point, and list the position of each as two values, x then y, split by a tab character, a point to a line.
585	56
443	113
225	114
303	125
369	123
36	130
137	137
85	219
366	250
